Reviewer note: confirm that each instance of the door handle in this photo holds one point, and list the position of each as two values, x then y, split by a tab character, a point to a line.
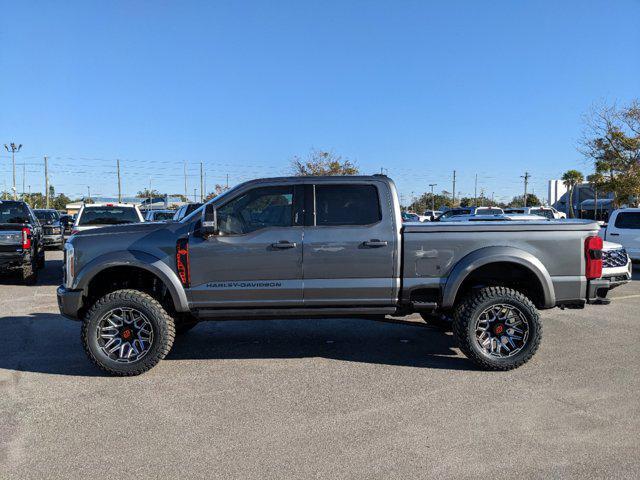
375	243
614	234
282	244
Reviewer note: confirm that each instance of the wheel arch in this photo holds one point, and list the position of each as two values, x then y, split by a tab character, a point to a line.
494	256
133	260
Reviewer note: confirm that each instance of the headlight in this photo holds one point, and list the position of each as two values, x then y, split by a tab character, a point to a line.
69	265
56	230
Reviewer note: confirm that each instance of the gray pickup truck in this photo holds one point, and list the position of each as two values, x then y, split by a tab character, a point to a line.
323	247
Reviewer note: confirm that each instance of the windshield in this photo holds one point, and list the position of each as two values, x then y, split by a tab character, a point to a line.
13	213
108	216
46	215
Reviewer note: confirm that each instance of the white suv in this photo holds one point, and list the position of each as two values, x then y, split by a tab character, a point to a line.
96	215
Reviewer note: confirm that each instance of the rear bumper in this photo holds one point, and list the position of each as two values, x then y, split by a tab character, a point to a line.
597	291
69	302
11	261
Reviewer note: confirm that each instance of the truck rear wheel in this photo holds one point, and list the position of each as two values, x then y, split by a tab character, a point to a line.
497	328
127	332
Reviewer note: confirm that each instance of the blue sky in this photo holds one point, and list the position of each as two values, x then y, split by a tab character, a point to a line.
419	88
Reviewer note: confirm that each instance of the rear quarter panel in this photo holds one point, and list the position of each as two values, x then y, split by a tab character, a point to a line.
430	254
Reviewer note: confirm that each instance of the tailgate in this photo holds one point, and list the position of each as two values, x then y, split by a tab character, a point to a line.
10	237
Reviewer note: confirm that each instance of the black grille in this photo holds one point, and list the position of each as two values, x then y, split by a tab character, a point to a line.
614	258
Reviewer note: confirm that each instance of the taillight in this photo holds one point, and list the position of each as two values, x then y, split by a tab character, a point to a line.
182	261
26	238
593	254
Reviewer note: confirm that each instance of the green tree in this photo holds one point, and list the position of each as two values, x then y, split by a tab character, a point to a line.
60	202
532	200
596	182
570	179
146	193
612	142
320	162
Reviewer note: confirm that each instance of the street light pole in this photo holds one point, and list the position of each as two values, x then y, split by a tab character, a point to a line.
433	199
13	148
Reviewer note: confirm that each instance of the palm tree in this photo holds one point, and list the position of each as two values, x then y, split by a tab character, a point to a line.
596	180
570	179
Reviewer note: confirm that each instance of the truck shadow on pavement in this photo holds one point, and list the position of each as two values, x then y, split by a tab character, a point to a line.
48	343
51	275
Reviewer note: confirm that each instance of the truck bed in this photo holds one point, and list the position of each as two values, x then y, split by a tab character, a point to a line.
553	247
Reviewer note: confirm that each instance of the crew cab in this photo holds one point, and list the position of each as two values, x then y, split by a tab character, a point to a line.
21	245
624	228
323	247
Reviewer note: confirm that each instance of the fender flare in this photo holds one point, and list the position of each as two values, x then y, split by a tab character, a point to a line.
503	254
134	258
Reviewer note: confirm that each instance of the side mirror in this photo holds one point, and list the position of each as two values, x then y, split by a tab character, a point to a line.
209	220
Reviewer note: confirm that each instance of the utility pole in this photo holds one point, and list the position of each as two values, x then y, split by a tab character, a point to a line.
46	182
119	184
13	148
475	192
186	193
201	184
526	177
433	199
24	174
453	192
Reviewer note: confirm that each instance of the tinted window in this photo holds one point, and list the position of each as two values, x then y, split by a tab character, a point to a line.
108	216
11	212
489	211
46	215
347	205
543	212
628	220
258	208
159	216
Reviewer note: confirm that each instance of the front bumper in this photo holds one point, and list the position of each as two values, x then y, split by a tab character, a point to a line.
48	240
69	302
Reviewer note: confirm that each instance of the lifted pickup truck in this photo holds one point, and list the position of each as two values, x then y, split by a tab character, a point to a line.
323	247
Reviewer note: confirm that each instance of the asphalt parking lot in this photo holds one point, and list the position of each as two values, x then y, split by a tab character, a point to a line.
319	398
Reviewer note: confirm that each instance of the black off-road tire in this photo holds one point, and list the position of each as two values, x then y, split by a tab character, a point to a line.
29	273
162	325
464	319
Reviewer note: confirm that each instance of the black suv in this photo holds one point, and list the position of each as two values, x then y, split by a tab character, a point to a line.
21	244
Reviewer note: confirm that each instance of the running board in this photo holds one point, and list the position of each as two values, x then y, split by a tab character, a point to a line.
424	306
292	312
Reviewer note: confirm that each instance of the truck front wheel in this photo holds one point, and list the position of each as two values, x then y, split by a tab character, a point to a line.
127	332
497	328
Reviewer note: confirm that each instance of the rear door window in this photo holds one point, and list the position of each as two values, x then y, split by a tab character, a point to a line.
628	220
338	205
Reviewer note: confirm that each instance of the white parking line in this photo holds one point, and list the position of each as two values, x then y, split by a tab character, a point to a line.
625	296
